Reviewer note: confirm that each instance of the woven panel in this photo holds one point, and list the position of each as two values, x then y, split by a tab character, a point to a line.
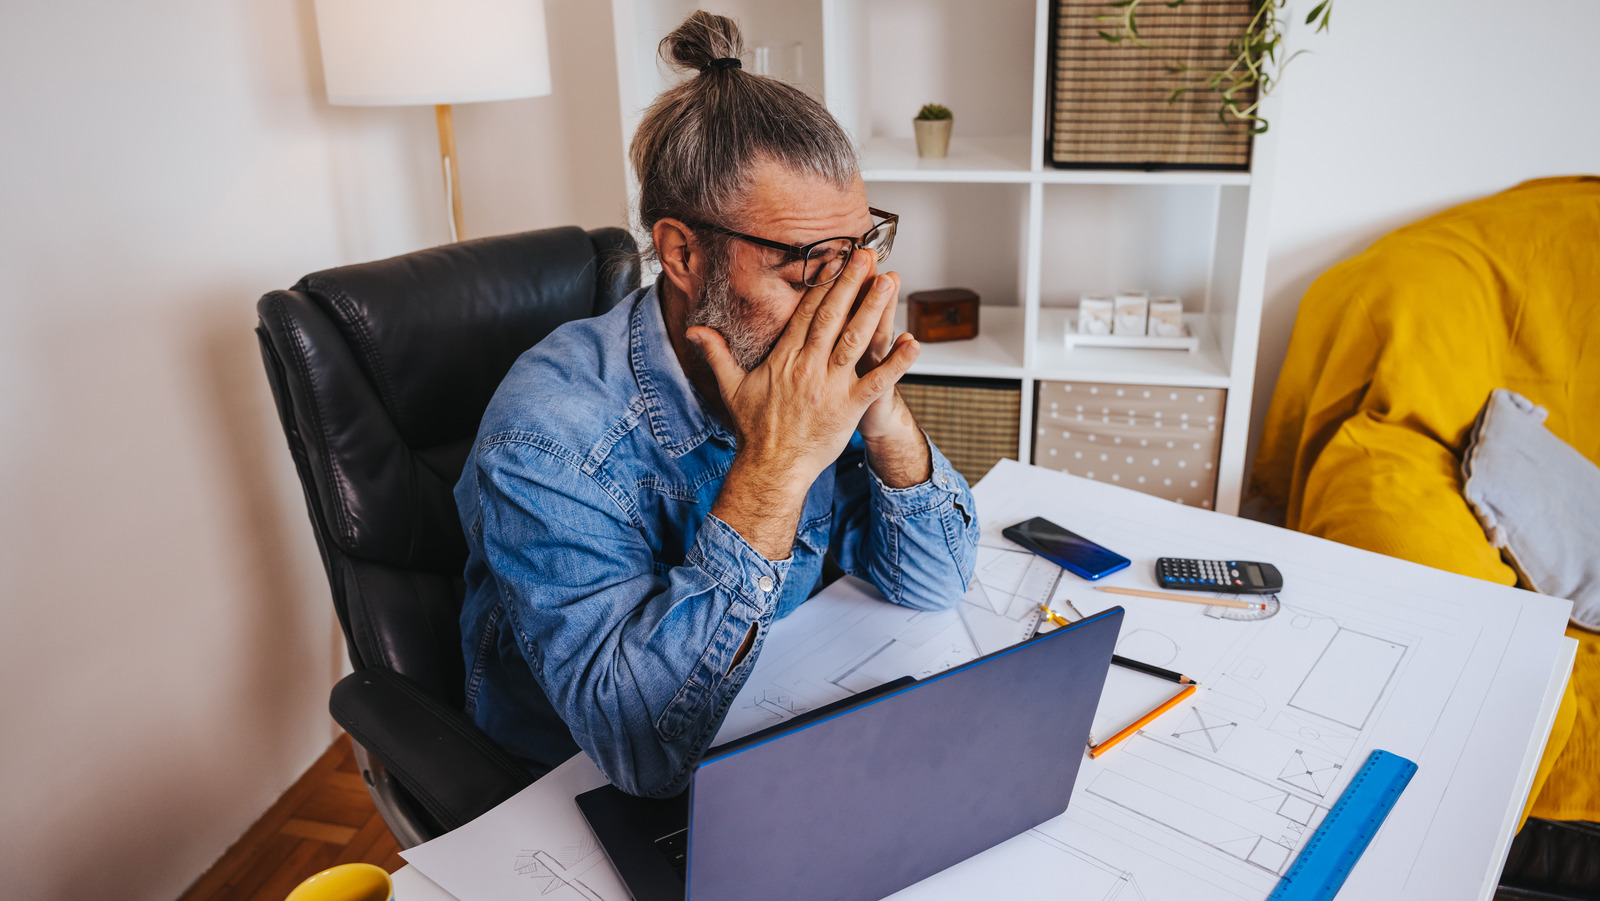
972	423
1109	101
1162	441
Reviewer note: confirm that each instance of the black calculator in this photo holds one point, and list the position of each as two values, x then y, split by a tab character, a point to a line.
1230	576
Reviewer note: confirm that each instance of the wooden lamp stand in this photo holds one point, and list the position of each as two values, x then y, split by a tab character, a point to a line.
452	168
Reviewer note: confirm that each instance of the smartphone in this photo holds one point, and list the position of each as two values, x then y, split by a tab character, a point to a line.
1072	552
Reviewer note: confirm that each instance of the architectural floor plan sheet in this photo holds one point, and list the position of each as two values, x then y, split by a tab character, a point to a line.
1211	801
1214	799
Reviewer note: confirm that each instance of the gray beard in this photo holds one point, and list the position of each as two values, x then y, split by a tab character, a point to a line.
732	317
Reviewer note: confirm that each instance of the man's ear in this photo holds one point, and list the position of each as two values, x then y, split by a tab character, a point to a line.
681	255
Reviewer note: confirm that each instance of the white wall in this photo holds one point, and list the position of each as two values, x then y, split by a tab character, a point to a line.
166	639
1407	109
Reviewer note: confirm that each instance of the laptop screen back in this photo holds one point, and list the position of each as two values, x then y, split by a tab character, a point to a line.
866	802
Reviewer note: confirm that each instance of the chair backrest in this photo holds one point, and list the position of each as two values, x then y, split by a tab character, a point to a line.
381	372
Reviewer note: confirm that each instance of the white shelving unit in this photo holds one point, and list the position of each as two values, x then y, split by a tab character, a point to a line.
994	216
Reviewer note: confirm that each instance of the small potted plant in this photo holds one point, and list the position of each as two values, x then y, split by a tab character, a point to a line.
933	131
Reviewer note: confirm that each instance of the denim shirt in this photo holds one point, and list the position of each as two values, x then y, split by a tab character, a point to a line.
602	597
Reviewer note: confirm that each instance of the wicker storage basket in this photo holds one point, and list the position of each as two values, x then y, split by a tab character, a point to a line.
1108	102
973	422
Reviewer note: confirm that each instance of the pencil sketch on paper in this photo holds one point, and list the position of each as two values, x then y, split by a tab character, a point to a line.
1091	878
1348	679
1244	774
1205	730
1321	736
555	874
1231	812
1311	773
843	643
1149	646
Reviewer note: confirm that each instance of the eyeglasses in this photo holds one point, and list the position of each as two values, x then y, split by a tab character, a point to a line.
824	260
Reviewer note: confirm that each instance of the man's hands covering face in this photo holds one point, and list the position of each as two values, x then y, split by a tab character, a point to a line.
888	414
832	370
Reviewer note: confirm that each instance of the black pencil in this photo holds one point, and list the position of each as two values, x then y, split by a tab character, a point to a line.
1147	669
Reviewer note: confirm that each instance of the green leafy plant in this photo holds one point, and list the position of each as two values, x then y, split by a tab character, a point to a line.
934	111
1258	54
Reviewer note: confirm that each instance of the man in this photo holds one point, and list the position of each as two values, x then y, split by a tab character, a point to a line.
651	489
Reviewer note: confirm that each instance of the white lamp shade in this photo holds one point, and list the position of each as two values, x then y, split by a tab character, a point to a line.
403	52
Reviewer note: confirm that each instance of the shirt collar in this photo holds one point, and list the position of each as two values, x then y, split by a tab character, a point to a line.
678	418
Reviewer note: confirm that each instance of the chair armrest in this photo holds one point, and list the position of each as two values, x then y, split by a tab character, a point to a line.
445	761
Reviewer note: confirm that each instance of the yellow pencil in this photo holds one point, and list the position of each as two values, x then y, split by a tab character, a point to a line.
1095	750
1164	596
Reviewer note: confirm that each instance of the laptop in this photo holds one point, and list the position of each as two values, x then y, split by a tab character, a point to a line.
864	797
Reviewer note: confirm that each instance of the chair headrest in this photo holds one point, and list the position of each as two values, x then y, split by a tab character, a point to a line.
436	330
381	372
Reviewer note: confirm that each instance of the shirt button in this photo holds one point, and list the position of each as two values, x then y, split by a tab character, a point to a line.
764	583
944	479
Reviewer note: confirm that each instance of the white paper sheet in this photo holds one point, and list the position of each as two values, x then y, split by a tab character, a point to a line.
1212	800
848	639
534	845
1366	652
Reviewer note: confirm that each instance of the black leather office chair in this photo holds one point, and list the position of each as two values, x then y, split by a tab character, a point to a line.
381	373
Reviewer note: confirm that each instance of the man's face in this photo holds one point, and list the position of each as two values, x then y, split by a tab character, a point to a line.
751	295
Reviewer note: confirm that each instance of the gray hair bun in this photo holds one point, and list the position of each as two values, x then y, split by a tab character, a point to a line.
699	142
702	39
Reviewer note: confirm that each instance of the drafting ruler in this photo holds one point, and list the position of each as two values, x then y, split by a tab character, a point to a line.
1328	857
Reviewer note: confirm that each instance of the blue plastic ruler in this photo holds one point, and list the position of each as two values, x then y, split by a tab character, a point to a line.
1332	851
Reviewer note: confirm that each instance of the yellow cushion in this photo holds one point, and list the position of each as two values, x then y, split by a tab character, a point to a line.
1393	354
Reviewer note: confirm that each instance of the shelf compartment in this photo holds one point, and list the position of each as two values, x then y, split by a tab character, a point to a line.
1101	239
940	227
1007	160
975	58
1003	159
995	353
1205	368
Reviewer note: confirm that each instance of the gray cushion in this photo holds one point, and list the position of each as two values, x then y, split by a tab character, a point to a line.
1538	500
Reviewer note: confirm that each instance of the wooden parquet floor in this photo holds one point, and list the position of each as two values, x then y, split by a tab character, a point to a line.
325	818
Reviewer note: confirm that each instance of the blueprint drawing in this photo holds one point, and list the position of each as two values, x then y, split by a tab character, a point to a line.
846	639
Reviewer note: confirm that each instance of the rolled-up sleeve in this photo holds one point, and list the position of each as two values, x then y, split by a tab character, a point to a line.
917	545
640	663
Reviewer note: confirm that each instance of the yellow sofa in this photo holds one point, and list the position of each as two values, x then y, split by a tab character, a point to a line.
1393	354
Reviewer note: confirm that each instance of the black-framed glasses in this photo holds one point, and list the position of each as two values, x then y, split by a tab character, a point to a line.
824	260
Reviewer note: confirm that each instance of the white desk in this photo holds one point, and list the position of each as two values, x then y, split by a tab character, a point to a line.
1471	675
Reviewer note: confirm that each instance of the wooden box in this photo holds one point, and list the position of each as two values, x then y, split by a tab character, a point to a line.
948	314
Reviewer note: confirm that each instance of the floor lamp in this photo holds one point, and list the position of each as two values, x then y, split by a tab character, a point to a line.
434	53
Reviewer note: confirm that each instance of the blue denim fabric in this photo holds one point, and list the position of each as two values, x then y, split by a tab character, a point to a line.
600	591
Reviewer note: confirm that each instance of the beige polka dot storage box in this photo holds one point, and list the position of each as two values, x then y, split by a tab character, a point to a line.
1160	440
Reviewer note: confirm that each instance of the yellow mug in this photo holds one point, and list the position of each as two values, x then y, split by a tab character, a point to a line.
346	882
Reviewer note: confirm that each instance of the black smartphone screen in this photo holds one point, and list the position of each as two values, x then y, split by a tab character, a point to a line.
1072	551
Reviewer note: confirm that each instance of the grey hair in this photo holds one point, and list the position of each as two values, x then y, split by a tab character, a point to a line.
699	142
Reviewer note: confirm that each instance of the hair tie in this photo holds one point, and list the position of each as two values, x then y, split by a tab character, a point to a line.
727	62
